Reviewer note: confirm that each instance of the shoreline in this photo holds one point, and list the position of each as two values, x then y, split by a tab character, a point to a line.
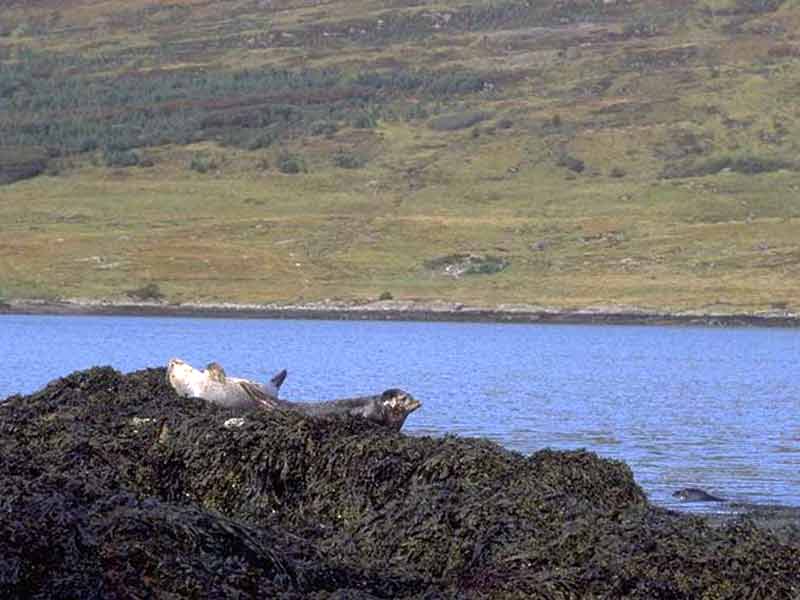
392	310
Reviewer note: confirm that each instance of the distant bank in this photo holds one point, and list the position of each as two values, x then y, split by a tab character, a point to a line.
394	310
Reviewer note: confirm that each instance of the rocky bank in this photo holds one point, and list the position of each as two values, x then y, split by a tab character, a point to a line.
111	486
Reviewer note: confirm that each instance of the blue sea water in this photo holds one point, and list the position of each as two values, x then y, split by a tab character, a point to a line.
700	407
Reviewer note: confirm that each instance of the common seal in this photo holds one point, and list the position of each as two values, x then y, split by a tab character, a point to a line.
216	387
696	495
389	408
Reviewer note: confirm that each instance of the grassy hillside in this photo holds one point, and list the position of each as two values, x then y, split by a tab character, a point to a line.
572	153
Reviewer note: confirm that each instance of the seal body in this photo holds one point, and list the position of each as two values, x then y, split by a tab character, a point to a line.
389	408
214	386
696	495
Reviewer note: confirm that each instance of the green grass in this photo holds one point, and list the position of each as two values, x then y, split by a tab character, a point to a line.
632	108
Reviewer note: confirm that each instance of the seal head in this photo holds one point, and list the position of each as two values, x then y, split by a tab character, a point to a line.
395	405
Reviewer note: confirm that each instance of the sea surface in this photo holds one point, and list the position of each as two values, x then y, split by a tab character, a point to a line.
712	408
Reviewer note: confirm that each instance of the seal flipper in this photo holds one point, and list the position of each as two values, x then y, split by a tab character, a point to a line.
257	394
278	379
216	372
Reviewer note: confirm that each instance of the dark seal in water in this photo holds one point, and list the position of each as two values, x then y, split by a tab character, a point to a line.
696	495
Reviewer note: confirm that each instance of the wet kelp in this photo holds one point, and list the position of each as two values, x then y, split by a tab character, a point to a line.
112	486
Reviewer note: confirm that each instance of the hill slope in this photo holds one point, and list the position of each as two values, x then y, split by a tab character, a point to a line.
570	154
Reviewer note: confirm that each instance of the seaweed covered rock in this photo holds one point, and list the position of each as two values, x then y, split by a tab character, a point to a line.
113	486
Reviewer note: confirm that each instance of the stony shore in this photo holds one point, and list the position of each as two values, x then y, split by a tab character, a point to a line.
394	310
111	486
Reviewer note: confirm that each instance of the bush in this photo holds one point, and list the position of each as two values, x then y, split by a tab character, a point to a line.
384	296
120	158
747	165
87	145
364	121
415	112
455	121
617	172
259	141
486	265
150	292
570	162
348	160
202	163
291	164
323	128
456	265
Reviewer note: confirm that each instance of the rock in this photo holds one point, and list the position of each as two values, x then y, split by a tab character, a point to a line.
297	507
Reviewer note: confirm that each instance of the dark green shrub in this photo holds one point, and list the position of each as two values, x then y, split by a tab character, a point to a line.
120	158
364	120
570	162
384	296
323	128
259	141
150	292
201	163
617	172
747	165
291	164
87	145
486	265
416	112
348	160
460	264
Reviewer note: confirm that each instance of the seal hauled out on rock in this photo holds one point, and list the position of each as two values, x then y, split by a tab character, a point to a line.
389	408
216	387
696	495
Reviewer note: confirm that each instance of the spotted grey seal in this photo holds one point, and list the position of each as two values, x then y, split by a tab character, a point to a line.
389	408
696	495
216	387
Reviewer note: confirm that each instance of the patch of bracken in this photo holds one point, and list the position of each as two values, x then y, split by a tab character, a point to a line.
113	486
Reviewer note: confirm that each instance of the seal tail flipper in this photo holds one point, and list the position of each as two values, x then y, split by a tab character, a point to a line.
256	394
278	379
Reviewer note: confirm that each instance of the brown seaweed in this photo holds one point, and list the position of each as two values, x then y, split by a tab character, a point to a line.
113	486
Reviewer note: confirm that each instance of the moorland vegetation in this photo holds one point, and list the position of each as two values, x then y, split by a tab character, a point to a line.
579	152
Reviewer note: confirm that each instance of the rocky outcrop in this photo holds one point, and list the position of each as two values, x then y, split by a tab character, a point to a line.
113	486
